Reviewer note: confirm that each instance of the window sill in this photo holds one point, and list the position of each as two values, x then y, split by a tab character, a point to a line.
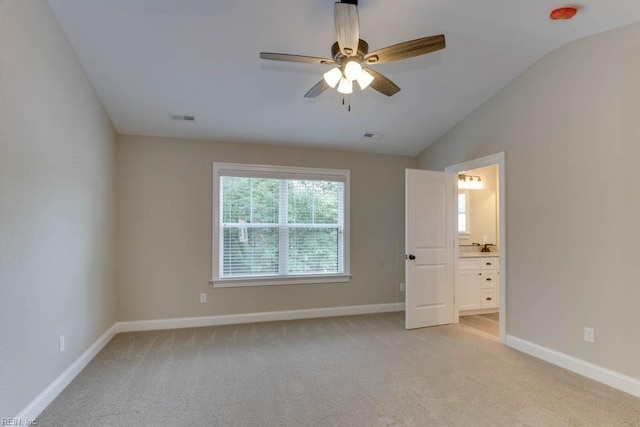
273	281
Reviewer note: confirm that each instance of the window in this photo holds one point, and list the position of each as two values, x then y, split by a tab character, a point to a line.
279	225
463	213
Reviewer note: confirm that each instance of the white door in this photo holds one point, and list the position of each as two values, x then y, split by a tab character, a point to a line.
430	230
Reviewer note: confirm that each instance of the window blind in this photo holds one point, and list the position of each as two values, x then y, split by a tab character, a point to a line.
280	224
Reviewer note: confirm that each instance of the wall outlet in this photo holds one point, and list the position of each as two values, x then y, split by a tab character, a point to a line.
61	345
203	298
401	287
590	335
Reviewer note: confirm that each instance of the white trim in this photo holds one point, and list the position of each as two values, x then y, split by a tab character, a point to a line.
269	316
279	280
597	373
37	405
493	159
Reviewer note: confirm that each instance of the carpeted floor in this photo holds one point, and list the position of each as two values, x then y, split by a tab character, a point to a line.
344	371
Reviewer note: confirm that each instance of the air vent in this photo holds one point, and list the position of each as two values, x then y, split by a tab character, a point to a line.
372	135
181	117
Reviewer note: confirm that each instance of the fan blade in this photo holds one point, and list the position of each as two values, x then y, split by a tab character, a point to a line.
345	16
296	58
383	84
320	87
406	50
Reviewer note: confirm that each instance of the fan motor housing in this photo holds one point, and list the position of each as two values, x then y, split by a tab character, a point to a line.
338	56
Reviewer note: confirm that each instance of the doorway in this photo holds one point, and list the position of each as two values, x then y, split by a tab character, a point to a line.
483	238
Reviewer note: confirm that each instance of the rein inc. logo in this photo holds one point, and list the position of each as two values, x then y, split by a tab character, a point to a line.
16	421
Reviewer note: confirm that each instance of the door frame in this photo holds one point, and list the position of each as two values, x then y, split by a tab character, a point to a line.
495	159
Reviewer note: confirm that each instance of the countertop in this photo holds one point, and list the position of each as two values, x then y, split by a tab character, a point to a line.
478	254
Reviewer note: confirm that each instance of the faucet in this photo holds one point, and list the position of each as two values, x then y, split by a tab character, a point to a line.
486	247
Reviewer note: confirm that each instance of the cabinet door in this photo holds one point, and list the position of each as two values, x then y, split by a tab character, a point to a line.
468	290
469	263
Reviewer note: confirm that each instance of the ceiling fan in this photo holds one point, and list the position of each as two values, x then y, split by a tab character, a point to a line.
350	53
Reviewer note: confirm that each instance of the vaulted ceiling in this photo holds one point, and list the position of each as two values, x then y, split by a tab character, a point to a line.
151	58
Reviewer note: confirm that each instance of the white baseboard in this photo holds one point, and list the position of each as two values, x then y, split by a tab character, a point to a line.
269	316
37	405
597	373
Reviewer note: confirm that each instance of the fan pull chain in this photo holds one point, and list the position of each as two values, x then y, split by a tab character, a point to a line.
348	103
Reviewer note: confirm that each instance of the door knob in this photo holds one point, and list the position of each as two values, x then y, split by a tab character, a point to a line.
412	257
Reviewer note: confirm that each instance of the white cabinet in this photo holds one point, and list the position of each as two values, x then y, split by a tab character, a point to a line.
468	290
478	283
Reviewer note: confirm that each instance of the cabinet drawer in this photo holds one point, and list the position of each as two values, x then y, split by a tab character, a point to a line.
481	263
488	263
469	264
489	280
489	298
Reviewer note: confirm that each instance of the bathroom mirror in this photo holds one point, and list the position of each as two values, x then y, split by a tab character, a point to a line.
482	217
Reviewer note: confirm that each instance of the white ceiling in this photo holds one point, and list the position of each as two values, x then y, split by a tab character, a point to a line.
149	58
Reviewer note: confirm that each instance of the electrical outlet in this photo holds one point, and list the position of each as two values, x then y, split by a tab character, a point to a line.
203	298
589	335
401	287
61	343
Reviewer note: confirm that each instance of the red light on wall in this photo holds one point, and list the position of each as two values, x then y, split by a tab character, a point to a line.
563	13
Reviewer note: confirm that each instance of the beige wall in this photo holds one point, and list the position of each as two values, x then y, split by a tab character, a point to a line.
489	175
56	213
164	229
569	127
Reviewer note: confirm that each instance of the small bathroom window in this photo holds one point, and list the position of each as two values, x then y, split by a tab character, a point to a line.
463	214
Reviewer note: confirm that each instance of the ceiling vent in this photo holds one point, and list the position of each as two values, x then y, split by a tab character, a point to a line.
372	135
181	117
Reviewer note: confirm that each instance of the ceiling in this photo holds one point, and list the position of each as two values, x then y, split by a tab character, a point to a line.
149	58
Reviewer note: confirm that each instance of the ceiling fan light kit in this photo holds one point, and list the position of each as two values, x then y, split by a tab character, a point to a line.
349	53
345	87
333	76
352	70
364	79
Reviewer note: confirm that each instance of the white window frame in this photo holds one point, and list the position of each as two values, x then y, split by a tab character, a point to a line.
282	172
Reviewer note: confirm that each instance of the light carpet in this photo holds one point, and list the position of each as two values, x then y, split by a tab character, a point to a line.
342	371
